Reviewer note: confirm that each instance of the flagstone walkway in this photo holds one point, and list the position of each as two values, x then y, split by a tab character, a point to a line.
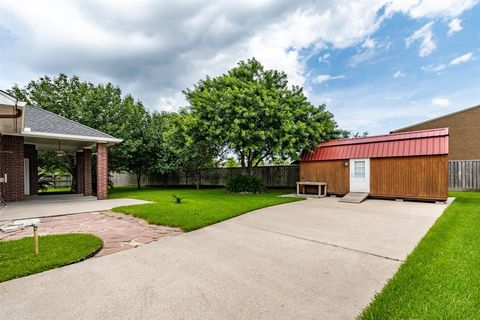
119	232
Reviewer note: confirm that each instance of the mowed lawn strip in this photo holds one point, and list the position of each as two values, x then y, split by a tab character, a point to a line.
441	278
17	258
199	208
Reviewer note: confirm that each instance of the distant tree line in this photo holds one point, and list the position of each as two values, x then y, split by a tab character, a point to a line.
247	117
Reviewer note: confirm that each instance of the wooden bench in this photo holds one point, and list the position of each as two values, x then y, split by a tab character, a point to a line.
322	187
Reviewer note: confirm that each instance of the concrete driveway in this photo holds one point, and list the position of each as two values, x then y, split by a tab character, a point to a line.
59	205
314	259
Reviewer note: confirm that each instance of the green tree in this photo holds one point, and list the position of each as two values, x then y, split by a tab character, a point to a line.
254	113
101	107
186	149
231	162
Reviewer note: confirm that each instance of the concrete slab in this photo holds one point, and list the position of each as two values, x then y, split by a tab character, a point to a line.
57	205
314	259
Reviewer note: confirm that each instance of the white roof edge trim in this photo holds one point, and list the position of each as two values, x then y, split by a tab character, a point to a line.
36	134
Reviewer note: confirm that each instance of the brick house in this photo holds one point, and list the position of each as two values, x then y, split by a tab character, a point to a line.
24	130
464	129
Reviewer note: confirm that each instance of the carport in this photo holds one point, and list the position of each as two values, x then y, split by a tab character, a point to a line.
25	130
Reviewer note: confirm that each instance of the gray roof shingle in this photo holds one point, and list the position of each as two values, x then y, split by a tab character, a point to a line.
40	120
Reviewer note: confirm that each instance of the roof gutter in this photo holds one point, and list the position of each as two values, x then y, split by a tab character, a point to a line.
57	136
12	116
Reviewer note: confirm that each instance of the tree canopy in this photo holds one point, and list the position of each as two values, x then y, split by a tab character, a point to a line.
249	112
101	107
254	113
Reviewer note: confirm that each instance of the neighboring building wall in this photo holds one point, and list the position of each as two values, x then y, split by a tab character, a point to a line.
31	153
333	172
12	164
464	133
420	177
102	171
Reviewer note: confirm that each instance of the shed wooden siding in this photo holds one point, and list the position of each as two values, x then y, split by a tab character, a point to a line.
420	177
333	172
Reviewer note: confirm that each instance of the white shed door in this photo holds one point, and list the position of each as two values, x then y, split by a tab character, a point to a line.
359	175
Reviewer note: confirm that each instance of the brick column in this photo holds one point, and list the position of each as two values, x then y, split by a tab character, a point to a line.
102	171
13	157
87	172
79	177
32	154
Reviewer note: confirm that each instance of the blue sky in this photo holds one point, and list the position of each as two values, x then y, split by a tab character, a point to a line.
377	64
393	83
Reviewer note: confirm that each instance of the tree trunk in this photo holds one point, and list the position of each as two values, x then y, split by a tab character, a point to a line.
198	178
250	169
139	177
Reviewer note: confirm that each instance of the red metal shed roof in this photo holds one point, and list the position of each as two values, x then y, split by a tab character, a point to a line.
404	144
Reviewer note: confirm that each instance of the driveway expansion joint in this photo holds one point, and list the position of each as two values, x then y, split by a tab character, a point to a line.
324	243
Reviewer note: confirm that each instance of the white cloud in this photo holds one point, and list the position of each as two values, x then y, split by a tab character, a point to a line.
424	35
463	58
431	8
441	102
156	49
398	74
369	49
324	58
369	43
454	26
326	77
434	68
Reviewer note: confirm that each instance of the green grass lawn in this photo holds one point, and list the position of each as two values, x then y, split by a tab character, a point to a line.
198	209
441	277
17	258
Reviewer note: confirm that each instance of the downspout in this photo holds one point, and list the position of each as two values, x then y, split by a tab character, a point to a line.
17	115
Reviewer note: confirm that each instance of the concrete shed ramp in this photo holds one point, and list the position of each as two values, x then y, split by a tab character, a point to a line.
354	197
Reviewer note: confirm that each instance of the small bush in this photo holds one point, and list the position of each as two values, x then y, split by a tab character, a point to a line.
240	184
177	200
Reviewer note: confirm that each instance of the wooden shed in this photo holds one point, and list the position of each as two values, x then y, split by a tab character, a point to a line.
408	165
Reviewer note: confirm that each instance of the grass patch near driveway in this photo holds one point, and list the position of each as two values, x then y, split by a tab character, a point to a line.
17	258
441	277
199	208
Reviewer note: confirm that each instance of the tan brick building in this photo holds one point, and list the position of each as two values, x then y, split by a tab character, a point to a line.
464	142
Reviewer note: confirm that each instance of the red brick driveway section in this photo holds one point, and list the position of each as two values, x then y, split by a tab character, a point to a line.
119	232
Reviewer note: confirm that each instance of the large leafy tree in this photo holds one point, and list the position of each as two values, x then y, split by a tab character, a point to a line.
186	149
98	106
254	113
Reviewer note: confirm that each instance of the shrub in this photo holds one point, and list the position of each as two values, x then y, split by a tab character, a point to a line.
245	184
45	181
177	200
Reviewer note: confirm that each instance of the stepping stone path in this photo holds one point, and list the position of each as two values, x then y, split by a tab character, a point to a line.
119	232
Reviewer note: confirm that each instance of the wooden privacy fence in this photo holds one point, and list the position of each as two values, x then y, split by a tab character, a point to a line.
272	176
464	175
